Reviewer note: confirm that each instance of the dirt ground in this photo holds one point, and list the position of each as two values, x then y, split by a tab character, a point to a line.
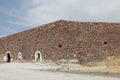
32	71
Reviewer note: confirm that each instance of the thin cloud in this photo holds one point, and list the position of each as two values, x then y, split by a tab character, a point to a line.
78	10
37	12
33	13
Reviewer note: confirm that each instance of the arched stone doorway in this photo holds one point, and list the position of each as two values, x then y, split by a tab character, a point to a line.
7	57
19	56
38	56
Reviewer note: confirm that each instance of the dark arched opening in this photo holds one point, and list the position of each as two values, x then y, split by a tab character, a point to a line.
38	56
8	57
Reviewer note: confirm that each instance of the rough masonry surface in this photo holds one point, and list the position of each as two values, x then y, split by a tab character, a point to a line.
82	41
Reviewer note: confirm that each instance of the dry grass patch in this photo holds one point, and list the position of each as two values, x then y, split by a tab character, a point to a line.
109	61
111	64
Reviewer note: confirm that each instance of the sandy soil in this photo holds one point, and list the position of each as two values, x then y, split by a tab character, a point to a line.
31	71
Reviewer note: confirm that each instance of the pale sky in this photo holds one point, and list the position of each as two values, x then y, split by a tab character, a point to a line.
20	15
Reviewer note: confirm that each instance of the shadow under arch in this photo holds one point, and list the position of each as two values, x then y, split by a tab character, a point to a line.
7	57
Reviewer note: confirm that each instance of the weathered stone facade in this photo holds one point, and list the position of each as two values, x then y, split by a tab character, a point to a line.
83	41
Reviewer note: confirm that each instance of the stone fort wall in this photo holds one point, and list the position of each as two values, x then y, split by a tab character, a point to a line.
82	41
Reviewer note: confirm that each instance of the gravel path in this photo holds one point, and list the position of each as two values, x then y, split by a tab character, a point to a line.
29	71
